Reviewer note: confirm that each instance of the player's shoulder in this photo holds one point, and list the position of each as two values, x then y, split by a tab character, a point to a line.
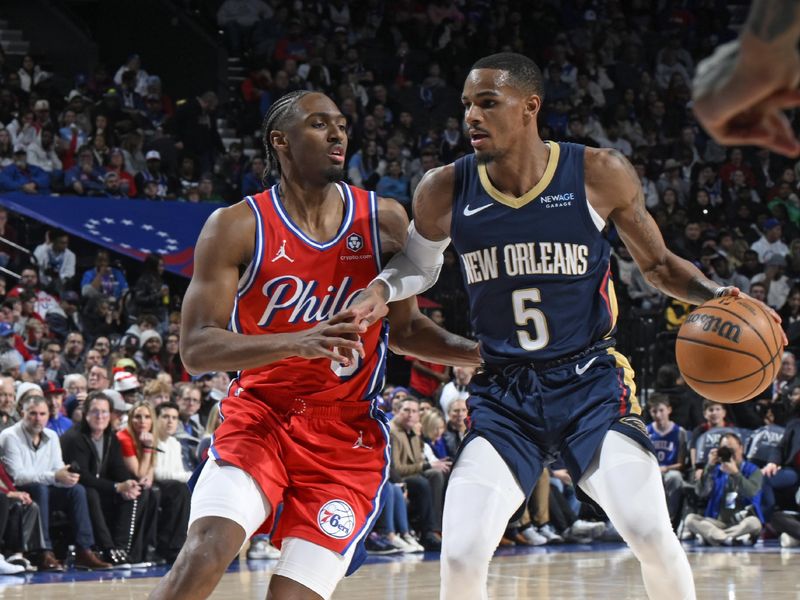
606	164
439	180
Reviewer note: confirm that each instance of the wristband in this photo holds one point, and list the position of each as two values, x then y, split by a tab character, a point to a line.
720	291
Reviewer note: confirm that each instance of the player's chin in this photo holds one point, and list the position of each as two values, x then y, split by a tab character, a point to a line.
484	157
334	174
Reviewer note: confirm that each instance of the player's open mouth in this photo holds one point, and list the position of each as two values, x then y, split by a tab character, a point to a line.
477	138
337	154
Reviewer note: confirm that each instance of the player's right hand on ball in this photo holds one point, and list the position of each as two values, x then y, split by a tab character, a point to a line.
735	291
336	339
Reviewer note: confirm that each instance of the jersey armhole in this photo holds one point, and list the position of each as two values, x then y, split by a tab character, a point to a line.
251	272
458	184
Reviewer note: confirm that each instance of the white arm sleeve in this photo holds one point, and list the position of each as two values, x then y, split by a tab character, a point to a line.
415	268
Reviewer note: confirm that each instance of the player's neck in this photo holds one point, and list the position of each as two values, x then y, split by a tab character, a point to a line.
520	168
316	209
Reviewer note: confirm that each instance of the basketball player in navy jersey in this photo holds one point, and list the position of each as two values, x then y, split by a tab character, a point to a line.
300	425
526	217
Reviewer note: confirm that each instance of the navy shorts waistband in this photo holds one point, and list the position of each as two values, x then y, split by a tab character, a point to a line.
546	365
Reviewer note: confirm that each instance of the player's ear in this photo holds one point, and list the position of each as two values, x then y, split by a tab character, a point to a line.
533	105
278	139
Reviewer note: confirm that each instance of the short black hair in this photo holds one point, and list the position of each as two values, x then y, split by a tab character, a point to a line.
276	118
525	74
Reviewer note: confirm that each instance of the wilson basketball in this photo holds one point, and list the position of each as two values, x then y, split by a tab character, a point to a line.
729	349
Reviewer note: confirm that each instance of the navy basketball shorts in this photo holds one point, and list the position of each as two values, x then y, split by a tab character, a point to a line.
533	416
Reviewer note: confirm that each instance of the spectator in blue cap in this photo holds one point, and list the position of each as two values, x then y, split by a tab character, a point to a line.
770	241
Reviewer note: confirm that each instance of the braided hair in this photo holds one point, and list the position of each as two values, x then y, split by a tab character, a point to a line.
276	118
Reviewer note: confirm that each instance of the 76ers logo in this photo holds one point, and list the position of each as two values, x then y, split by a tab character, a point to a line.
355	242
336	519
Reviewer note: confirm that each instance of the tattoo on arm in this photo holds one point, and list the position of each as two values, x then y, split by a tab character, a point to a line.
770	19
698	291
642	218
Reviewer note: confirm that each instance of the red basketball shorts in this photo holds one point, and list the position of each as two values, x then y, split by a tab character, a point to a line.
326	462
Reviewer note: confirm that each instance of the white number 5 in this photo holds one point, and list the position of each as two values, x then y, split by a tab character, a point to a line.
523	314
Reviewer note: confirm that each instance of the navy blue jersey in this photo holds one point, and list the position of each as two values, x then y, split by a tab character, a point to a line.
667	446
536	267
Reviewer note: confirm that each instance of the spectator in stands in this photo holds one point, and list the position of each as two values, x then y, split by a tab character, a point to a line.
167	186
103	279
20	527
31	74
22	177
777	283
42	153
731	487
55	400
715	415
770	241
97	377
6	147
395	184
138	442
196	129
8	403
72	358
55	260
85	178
456	426
457	388
171	477
188	399
425	481
724	275
65	317
782	472
433	429
149	355
110	488
366	167
253	179
116	164
670	443
32	456
172	359
240	20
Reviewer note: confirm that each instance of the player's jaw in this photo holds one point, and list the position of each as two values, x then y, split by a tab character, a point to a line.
335	155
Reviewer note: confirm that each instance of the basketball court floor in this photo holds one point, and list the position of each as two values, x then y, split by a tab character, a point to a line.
599	571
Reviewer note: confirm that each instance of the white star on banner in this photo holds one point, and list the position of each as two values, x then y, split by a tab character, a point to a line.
107	239
93	221
147	227
127	222
109	220
171	241
145	250
89	225
126	246
162	234
172	248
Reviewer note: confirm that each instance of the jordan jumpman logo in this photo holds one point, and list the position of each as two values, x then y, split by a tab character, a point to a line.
359	443
282	253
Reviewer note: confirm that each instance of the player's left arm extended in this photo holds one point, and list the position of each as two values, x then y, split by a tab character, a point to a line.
613	181
411	332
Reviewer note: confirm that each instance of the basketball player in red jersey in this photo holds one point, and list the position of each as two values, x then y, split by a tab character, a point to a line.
300	423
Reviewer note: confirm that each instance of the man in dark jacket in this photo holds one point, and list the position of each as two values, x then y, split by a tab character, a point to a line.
782	472
117	505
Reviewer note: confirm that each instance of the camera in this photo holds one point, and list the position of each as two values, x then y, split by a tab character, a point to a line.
725	454
74	467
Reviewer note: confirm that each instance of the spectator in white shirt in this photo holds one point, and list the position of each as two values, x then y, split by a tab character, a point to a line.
770	241
171	478
42	152
56	261
456	389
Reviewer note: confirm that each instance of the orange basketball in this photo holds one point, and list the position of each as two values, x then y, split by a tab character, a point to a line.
729	349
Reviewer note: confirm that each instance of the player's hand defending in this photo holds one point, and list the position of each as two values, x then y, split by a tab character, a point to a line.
740	98
335	339
735	291
370	305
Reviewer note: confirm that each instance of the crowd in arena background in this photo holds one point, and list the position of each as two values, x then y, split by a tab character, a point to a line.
88	338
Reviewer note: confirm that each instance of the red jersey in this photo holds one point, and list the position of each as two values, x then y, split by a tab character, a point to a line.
294	282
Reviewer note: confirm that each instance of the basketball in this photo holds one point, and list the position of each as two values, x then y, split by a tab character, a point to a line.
729	349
